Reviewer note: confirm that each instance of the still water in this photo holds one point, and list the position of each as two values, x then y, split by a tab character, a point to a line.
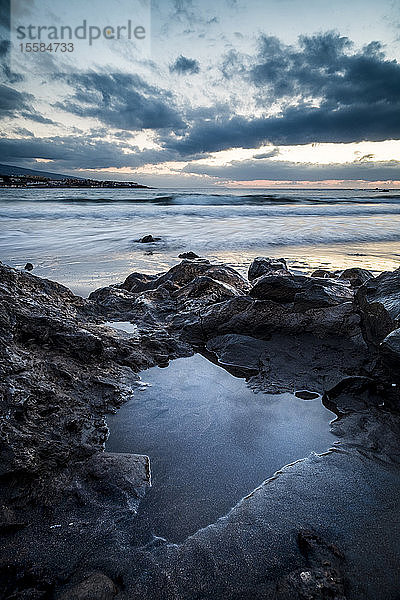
211	440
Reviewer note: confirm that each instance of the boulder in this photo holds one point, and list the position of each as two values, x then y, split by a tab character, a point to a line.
207	289
390	348
322	273
261	318
187	270
267	266
188	255
95	586
148	239
28	266
138	282
356	276
378	301
305	292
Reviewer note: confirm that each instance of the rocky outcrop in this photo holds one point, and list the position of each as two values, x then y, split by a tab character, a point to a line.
379	303
68	509
390	348
304	292
356	276
267	266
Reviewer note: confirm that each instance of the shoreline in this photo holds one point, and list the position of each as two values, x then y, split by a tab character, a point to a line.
73	271
69	507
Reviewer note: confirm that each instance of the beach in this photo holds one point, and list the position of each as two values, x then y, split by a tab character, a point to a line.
89	238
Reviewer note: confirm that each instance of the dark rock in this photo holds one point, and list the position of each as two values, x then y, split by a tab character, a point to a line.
28	266
352	394
188	255
207	289
95	586
267	266
390	348
277	288
246	316
187	270
322	273
379	303
305	292
148	239
356	276
138	282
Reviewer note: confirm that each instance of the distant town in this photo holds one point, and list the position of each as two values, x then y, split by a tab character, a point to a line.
38	181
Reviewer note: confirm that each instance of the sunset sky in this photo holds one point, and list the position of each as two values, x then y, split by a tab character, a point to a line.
226	92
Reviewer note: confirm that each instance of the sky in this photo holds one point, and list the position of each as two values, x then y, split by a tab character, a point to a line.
242	93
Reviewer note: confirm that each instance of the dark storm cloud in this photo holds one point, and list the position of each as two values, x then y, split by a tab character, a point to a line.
327	91
79	152
325	66
185	66
252	170
14	104
121	100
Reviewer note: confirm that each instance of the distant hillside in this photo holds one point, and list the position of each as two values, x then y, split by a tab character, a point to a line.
12	170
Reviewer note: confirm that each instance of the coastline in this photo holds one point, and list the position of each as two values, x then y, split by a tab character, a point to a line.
71	506
83	274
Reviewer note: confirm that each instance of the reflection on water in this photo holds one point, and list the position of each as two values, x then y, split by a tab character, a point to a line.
211	440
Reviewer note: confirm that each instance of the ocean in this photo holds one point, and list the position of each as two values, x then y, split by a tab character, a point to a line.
88	238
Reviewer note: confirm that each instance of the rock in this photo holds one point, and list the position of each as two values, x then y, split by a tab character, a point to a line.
187	270
95	586
125	477
277	288
257	318
148	239
305	292
188	255
352	394
379	303
28	266
207	289
320	294
390	348
322	273
138	282
267	266
356	276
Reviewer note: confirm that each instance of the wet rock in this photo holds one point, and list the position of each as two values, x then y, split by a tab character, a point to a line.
95	586
305	292
379	304
116	478
267	266
148	239
28	266
353	394
390	348
187	270
356	276
247	316
205	288
189	255
138	282
322	273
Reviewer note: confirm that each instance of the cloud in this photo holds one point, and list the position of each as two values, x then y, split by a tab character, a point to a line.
81	152
121	100
252	170
185	66
324	90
